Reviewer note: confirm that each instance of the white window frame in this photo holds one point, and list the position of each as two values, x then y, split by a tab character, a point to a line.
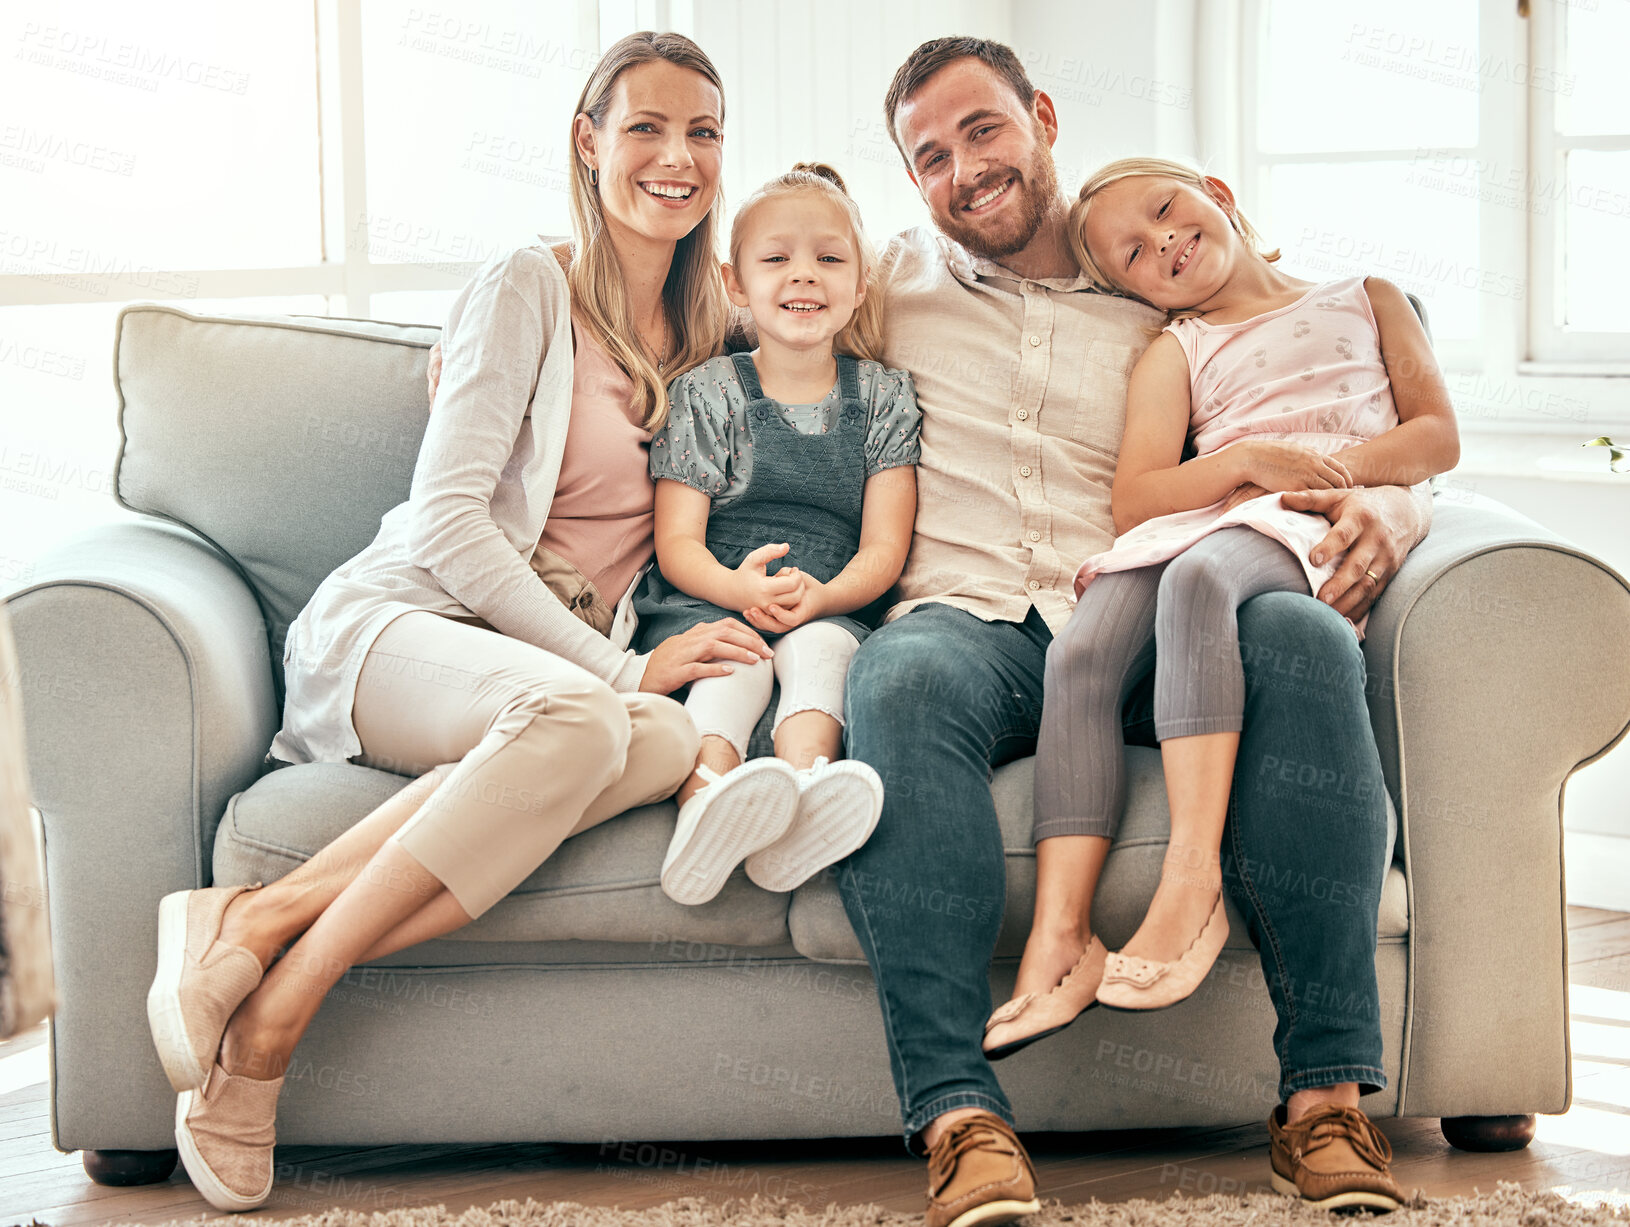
1551	345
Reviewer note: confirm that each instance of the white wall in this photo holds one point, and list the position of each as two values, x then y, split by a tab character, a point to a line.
805	82
1121	76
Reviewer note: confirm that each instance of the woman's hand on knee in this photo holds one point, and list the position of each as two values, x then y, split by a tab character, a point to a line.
707	650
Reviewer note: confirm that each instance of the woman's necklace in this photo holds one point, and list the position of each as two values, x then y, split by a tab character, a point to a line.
662	356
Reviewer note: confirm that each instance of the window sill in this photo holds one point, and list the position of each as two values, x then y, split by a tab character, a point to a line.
1546	457
1580	370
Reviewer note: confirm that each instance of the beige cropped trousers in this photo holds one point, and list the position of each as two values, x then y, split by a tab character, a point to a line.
531	748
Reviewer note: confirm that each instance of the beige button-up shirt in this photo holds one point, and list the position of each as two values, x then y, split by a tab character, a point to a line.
1022	384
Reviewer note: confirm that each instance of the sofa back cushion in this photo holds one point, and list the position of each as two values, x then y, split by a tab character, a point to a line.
280	439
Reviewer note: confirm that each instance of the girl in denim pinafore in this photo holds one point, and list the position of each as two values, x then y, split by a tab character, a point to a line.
806	491
793	514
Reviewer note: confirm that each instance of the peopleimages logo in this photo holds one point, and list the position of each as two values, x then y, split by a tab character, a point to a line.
85	268
121	62
31	149
1493	182
1416	270
1408	54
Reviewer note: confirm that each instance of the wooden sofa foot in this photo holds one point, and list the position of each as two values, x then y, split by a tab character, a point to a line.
124	1167
1488	1133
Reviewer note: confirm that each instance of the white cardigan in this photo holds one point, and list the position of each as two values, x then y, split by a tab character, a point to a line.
461	544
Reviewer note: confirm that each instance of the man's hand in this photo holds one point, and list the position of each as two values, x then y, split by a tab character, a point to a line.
1377	526
432	373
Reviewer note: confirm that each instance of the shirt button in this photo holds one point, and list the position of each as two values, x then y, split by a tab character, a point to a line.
1034	535
1024	470
1035	340
1022	414
1034	585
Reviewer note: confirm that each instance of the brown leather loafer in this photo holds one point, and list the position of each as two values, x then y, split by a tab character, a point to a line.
978	1174
1333	1158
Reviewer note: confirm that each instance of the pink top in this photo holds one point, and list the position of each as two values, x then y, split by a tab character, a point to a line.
1311	373
602	519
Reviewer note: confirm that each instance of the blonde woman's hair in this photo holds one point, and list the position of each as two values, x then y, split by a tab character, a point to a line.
862	336
692	297
1127	168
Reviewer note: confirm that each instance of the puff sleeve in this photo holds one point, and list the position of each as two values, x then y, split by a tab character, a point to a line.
892	439
694	446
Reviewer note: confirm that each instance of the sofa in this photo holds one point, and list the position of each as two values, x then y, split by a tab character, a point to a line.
258	453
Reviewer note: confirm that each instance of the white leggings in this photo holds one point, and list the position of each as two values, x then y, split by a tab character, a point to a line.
810	663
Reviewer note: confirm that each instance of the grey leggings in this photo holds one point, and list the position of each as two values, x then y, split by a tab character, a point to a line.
1188	609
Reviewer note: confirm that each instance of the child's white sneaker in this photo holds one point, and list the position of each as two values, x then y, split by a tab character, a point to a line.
838	808
733	816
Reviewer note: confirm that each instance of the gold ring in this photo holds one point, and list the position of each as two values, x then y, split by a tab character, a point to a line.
1372	575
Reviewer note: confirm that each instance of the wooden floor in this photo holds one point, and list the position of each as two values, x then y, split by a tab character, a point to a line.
1584	1154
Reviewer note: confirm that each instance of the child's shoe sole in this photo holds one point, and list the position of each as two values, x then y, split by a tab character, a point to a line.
838	808
747	809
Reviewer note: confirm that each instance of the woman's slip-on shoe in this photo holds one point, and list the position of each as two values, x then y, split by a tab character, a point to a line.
199	982
225	1131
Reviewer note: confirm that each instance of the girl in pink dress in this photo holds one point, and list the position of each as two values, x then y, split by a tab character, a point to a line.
1277	385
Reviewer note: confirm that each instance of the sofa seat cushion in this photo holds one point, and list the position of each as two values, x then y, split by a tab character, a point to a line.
821	930
600	886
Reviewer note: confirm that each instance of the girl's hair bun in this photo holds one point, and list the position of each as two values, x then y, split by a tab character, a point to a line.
825	172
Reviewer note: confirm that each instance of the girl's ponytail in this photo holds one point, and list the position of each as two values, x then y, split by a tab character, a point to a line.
824	171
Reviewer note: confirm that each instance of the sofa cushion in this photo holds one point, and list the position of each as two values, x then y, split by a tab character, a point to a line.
282	440
601	885
821	930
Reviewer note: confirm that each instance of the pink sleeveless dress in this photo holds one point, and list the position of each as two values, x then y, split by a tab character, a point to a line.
1309	373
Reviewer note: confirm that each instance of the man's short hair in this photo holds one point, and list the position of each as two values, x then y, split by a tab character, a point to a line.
934	55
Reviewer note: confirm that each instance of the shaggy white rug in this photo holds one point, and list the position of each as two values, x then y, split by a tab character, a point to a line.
1508	1206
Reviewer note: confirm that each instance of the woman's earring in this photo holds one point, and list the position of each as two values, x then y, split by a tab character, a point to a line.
594	176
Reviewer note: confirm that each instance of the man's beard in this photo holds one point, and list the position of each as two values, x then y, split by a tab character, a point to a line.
1039	194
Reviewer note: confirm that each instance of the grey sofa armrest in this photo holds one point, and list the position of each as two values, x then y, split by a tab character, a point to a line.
1495	670
147	699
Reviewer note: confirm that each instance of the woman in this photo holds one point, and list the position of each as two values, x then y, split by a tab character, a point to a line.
441	653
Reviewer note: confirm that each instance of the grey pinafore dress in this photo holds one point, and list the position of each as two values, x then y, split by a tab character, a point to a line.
806	490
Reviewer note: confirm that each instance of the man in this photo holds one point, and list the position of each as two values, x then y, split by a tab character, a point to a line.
1021	373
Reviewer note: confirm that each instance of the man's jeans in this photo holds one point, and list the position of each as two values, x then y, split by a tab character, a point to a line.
938	698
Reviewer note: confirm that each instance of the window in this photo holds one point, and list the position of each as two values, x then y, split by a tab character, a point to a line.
1478	158
94	200
106	200
1579	182
184	153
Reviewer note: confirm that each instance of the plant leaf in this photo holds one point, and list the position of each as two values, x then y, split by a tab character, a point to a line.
1617	458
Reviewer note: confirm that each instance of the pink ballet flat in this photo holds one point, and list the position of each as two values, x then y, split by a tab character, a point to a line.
1132	983
1034	1016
